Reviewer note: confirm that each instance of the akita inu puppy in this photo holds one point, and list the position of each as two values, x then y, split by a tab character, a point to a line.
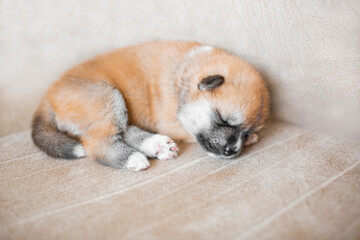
105	108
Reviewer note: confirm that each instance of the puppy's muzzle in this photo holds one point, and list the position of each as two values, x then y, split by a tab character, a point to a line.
231	150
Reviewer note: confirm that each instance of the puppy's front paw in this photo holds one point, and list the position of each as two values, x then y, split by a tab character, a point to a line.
137	162
160	146
253	138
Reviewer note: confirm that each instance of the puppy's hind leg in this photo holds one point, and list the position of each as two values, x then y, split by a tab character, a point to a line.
104	139
112	151
152	145
98	111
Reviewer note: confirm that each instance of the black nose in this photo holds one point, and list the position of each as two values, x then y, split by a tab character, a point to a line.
229	151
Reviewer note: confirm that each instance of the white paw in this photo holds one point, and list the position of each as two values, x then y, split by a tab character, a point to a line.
137	162
79	151
253	138
160	146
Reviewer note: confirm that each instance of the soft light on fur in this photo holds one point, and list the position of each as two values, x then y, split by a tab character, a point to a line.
183	90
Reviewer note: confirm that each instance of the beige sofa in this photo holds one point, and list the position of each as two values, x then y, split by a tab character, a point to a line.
300	181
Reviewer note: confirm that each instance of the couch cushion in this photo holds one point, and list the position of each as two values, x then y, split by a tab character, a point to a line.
294	183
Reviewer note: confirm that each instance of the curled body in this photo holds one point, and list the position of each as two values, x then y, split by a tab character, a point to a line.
124	106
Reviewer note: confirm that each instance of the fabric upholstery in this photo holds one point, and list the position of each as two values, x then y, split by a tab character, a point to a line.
293	184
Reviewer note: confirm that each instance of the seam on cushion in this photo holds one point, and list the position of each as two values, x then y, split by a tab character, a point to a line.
17	158
297	201
219	169
107	195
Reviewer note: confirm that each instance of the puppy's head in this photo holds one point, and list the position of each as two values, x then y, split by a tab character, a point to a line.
223	102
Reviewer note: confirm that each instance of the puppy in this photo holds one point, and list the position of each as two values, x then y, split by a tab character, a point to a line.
107	107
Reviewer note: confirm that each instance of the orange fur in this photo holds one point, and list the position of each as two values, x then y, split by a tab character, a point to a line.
149	77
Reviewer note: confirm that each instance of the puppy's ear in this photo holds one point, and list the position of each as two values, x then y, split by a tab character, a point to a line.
211	82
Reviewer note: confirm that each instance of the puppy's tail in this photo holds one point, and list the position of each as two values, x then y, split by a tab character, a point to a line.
48	138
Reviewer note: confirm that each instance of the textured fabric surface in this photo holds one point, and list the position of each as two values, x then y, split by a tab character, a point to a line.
307	50
293	184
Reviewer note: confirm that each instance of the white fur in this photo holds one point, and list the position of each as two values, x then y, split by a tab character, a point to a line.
137	162
217	156
196	116
159	146
238	144
193	52
70	128
79	151
236	118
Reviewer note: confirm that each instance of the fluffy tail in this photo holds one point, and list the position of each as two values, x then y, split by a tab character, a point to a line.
55	143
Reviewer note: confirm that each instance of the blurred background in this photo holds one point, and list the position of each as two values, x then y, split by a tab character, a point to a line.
308	51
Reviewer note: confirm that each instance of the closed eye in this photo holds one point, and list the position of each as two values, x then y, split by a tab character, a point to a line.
247	134
221	122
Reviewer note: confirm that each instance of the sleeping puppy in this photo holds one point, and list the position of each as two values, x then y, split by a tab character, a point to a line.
108	107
